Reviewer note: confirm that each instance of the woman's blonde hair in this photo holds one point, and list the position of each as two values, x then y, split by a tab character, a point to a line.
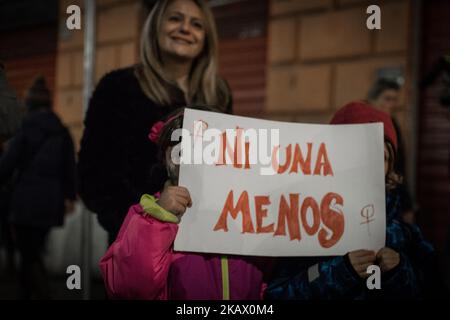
204	84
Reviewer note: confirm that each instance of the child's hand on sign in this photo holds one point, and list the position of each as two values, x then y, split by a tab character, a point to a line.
361	260
387	259
175	199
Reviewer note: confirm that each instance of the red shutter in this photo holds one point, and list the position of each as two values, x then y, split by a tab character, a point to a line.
242	27
27	52
433	171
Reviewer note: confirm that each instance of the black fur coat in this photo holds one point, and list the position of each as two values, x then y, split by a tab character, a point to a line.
117	160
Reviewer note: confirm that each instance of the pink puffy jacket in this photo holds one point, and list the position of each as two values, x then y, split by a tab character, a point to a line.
141	264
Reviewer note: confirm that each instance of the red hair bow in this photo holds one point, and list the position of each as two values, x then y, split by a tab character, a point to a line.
155	132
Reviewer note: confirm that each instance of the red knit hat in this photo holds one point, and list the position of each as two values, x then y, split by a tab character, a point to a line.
362	112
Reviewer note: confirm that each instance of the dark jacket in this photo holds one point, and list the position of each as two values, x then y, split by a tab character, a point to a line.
335	278
117	160
41	155
10	109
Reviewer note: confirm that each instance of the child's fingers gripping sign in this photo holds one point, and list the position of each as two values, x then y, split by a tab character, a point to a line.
183	193
361	260
175	199
387	259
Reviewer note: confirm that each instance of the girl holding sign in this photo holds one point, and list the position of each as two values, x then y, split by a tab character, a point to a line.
402	261
141	263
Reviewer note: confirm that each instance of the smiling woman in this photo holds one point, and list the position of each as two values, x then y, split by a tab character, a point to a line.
181	38
183	33
179	44
178	67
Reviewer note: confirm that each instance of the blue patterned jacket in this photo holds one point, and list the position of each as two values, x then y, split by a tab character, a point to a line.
335	278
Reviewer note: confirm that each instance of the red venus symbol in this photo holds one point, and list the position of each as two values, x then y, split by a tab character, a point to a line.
367	213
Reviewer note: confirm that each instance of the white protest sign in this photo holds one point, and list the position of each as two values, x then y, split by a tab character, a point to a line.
281	189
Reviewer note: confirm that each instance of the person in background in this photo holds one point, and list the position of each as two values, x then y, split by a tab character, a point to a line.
41	155
404	261
178	67
10	117
384	95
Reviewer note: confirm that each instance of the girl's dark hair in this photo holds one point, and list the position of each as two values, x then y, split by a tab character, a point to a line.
393	179
176	122
159	171
165	138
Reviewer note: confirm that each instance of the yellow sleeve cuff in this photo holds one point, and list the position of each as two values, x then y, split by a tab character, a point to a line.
148	203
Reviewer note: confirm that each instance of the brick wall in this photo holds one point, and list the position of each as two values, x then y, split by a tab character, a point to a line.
321	55
118	29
